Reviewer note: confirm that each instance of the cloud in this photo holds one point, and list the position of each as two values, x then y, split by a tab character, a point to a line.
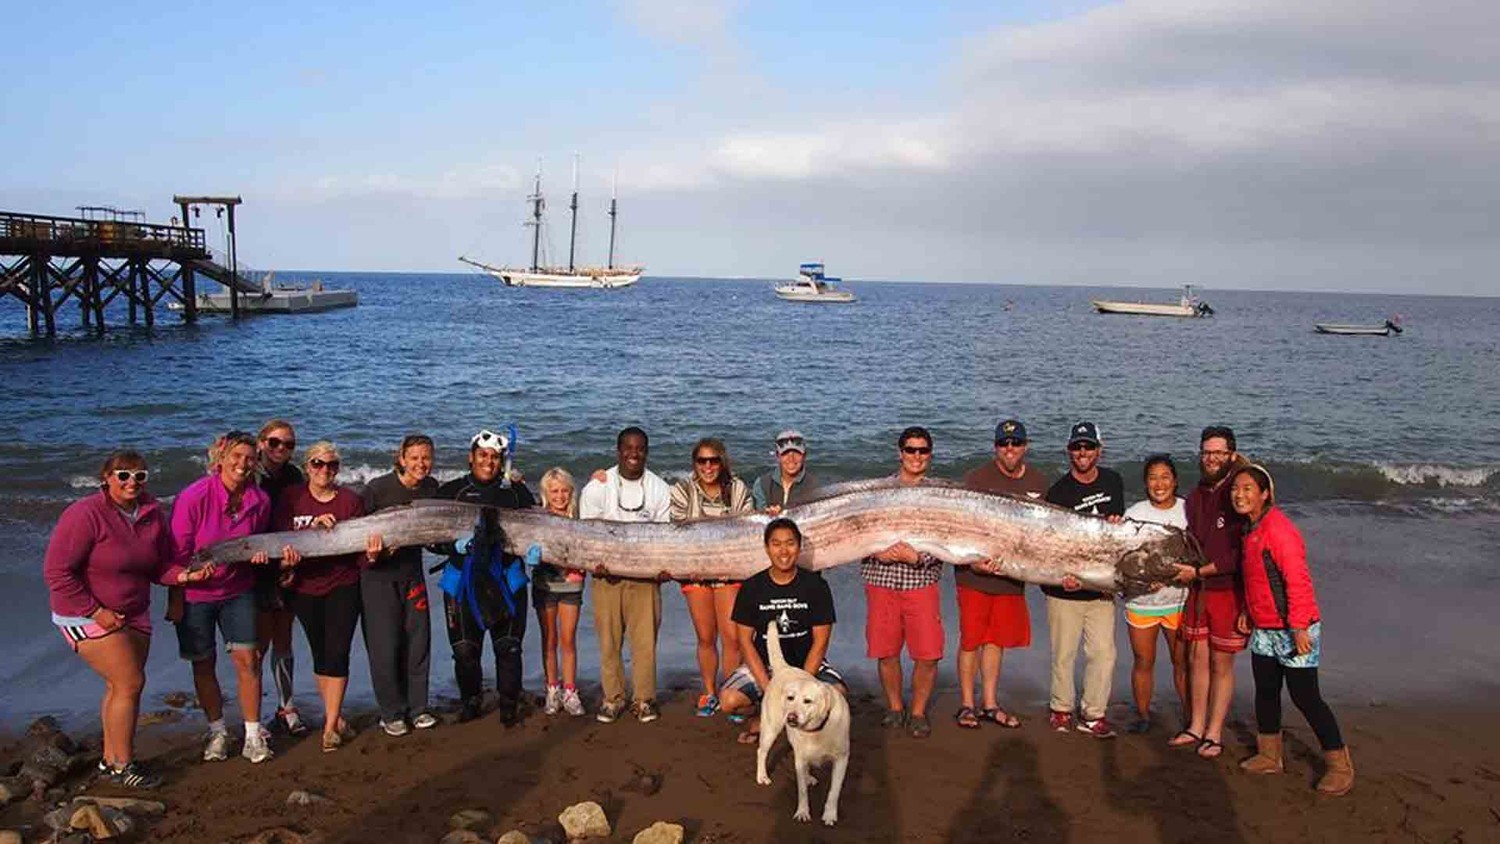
478	181
701	23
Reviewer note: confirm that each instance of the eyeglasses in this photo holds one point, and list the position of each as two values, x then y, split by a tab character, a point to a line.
490	440
1010	442
916	449
710	460
1083	446
1218	452
137	475
319	463
278	443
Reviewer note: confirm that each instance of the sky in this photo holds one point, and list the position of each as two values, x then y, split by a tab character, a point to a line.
1258	144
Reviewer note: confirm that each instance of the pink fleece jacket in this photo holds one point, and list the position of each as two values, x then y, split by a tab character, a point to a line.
199	519
97	557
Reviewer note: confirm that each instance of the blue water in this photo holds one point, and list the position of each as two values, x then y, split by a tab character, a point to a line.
1385	447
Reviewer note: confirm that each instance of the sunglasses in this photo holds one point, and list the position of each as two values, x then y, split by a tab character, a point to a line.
137	475
791	441
319	463
711	460
278	442
1083	446
1010	442
916	449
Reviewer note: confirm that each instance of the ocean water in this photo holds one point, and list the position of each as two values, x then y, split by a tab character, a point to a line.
1384	449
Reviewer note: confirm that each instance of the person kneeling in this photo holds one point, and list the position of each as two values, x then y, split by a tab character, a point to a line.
800	603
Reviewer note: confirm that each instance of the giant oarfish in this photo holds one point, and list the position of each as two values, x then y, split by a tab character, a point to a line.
1031	541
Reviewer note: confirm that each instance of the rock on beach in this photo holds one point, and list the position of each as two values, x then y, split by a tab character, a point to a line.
584	820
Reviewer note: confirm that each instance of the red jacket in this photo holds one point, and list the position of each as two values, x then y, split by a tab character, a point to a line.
1276	534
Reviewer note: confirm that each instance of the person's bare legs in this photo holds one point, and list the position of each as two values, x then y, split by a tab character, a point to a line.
331	690
990	659
546	619
730	657
1220	693
1177	649
567	641
1143	669
890	682
1197	658
206	687
968	665
923	679
247	670
120	659
700	602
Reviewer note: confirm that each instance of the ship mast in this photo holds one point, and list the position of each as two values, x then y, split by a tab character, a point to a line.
536	217
573	208
614	189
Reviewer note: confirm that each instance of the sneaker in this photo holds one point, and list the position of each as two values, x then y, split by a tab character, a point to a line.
290	721
1140	726
1059	721
572	703
135	775
554	700
708	706
610	711
645	711
217	747
425	721
257	749
1098	727
396	728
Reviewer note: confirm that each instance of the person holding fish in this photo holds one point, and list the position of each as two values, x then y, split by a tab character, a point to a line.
557	595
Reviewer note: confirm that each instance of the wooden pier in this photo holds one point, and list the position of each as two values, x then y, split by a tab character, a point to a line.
47	261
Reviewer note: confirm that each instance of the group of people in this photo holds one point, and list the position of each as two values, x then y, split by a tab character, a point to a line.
108	549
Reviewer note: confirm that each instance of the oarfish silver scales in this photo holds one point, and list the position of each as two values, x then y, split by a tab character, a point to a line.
1031	541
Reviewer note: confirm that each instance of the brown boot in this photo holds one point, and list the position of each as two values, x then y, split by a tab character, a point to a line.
1339	777
1267	758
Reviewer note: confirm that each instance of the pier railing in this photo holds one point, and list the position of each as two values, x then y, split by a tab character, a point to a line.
48	234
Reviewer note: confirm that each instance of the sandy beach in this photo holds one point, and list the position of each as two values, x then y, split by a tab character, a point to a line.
1424	774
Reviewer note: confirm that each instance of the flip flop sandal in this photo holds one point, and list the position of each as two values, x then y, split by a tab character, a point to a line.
967	718
894	719
748	737
1001	717
1185	738
1210	749
920	727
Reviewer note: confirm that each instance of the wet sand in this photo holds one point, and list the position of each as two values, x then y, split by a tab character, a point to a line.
1423	775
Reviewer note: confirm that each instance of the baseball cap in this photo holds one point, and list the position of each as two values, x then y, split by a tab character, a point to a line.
1010	429
791	440
1084	432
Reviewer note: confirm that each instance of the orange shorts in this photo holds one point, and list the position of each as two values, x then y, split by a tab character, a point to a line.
985	619
895	617
1211	614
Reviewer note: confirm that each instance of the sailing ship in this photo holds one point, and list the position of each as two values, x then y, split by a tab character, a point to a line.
1188	306
573	275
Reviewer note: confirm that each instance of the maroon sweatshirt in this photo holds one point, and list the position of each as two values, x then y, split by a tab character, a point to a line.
1213	522
98	558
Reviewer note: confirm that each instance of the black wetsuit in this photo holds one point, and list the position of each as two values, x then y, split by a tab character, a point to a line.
465	632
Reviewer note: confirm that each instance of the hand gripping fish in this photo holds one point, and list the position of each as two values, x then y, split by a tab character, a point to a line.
1028	540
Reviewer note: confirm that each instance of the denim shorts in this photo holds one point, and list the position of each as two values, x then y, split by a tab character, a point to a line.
234	617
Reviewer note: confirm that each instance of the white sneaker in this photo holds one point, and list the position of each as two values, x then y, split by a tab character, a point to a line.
554	700
217	747
425	721
257	749
396	728
572	704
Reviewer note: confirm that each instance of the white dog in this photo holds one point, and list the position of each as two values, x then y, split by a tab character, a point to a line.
816	718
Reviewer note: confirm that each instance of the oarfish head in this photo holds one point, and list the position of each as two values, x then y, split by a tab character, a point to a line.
1153	564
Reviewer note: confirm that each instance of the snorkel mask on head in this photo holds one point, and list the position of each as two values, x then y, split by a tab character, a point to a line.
502	443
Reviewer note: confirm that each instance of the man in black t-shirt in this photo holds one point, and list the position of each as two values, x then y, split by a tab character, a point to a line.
800	603
1074	613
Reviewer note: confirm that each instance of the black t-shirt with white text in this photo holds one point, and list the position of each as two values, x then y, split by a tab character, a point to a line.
1105	496
797	608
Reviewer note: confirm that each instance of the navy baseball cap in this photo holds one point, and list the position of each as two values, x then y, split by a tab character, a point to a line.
1084	432
1010	429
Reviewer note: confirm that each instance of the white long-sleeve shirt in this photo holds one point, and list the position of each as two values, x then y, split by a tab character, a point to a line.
602	500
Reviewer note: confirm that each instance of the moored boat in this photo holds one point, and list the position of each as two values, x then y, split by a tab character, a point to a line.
811	285
1188	306
1391	326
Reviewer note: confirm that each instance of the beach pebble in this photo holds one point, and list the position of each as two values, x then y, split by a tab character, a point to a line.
515	836
282	835
584	820
304	798
14	788
100	822
647	784
463	836
9	836
660	832
160	716
179	700
474	819
128	805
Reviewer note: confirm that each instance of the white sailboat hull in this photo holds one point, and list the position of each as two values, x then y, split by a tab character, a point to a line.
1144	309
600	279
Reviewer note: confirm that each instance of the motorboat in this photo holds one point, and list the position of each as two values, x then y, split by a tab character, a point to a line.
1391	326
1188	306
811	285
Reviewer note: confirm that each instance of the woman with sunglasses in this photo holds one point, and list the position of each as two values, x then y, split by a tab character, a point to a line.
325	590
397	621
1281	618
224	505
101	560
712	491
276	473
